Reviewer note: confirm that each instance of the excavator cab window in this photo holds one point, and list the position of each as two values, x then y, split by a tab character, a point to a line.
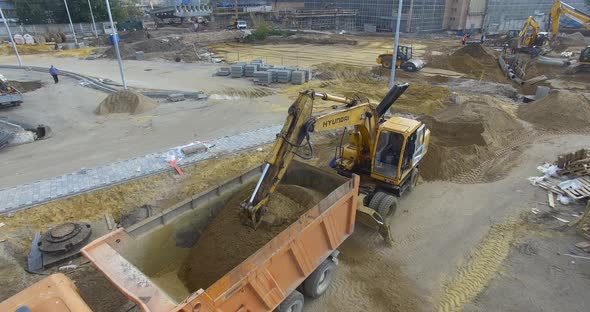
585	55
387	157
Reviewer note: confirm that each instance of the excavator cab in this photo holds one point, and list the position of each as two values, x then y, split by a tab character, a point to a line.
400	146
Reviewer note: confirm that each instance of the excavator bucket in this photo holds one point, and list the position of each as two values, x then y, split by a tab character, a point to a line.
373	220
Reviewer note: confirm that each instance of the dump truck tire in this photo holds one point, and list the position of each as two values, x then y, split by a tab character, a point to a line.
376	200
318	282
387	206
293	303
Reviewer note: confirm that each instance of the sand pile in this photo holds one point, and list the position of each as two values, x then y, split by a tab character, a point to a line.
126	101
225	243
465	136
560	110
474	60
133	36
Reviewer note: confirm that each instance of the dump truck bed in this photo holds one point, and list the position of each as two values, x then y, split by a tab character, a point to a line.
130	258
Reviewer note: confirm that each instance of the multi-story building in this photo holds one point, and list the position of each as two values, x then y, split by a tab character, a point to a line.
464	14
381	15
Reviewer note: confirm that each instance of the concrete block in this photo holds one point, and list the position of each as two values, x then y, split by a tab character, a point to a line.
541	92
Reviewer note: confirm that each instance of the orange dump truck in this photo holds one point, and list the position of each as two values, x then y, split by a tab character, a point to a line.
143	261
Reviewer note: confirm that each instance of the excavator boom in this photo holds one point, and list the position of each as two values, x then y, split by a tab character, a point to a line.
563	9
295	134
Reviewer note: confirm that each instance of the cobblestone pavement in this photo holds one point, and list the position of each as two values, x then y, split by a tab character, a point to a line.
23	196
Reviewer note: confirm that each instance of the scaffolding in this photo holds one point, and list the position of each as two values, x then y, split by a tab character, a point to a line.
337	19
380	15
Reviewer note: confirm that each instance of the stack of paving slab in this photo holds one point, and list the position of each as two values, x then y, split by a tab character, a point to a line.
263	77
266	74
250	69
237	70
298	77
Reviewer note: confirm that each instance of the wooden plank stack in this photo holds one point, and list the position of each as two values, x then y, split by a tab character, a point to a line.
574	164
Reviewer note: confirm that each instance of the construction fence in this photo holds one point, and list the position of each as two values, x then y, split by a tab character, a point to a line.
81	29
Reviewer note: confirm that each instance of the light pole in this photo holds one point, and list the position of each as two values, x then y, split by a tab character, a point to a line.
92	16
71	25
116	43
395	44
11	39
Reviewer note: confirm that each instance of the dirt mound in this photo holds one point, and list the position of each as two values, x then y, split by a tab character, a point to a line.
474	60
466	136
26	86
559	111
133	36
225	243
126	101
159	45
127	52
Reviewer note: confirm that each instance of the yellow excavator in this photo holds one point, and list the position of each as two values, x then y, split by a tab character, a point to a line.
560	9
385	153
530	35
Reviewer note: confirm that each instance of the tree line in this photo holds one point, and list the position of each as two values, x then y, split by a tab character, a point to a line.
54	11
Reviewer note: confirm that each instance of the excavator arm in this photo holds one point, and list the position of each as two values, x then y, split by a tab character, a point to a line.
522	36
295	134
562	9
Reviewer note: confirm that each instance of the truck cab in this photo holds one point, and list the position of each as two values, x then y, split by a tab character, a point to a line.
241	24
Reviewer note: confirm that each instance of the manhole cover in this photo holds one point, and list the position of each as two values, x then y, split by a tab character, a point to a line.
63	230
65	237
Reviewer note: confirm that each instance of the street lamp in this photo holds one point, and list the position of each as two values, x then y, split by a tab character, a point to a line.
71	25
11	39
395	44
116	43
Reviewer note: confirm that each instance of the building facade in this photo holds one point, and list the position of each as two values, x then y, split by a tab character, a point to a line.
381	15
461	15
502	15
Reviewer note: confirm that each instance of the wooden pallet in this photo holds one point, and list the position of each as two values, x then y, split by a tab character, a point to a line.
551	185
563	161
581	192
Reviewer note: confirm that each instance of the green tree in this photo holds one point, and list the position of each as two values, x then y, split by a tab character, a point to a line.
54	11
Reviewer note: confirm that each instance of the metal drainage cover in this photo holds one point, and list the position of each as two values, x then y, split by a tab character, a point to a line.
65	237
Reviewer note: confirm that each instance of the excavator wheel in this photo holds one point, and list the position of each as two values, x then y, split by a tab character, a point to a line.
387	206
293	303
376	200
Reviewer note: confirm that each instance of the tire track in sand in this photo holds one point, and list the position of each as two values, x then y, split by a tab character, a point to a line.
482	265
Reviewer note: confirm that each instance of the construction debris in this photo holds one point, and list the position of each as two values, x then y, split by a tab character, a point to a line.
574	164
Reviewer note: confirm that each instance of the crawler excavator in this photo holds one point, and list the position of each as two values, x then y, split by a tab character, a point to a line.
386	153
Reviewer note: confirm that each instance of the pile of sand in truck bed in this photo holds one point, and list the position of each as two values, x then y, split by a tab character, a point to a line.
465	136
560	111
126	101
226	242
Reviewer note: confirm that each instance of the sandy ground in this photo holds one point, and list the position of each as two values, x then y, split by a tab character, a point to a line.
83	139
458	247
444	229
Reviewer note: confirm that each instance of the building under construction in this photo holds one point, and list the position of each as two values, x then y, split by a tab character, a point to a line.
381	15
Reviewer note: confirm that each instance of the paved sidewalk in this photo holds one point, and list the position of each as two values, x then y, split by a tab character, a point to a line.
27	195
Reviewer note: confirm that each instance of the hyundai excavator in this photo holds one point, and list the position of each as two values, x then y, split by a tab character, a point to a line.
385	153
560	9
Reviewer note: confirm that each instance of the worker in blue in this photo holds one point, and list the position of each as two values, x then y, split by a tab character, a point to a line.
53	72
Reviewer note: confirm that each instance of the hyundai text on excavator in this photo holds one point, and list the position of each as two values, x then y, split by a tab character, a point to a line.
385	153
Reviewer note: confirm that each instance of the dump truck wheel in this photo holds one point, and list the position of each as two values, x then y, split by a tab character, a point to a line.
387	206
318	282
376	200
293	303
